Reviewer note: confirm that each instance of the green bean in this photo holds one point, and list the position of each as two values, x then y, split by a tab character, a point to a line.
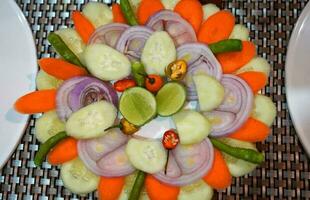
138	73
249	155
128	12
63	50
224	46
137	187
47	146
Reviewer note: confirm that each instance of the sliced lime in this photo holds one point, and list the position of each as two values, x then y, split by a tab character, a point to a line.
170	99
137	105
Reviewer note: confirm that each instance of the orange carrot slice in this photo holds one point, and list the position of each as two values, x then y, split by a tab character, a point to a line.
219	176
252	131
232	61
256	80
118	14
217	27
160	191
147	8
82	25
36	102
64	151
110	188
191	11
60	68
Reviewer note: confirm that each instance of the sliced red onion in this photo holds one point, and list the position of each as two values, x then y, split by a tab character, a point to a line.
110	160
235	109
199	59
177	27
193	161
108	34
81	91
132	41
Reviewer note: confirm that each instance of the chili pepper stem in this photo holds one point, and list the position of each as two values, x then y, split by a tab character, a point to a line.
167	161
114	126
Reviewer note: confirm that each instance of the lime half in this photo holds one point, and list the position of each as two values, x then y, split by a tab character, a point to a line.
137	105
170	99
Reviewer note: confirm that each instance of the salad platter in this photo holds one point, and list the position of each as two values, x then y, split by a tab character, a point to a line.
151	101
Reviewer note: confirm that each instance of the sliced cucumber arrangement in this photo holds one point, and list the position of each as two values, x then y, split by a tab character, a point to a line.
106	63
146	155
138	105
197	190
257	64
240	32
73	41
238	167
170	4
98	13
264	109
47	126
170	99
192	126
209	90
129	182
45	81
77	178
208	10
92	120
159	51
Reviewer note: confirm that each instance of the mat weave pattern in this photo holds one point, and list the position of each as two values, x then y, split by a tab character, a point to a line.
284	175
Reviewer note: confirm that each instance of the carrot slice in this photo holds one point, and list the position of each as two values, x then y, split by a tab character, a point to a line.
157	190
82	25
36	102
232	61
256	80
110	188
60	68
147	8
219	176
64	151
217	27
191	11
118	14
252	131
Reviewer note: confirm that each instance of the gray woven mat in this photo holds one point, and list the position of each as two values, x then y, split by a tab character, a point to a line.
284	175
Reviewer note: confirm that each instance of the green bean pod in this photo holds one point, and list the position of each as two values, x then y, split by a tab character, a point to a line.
128	12
139	73
137	187
224	46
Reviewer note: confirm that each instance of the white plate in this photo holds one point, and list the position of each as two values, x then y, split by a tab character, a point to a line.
298	77
18	69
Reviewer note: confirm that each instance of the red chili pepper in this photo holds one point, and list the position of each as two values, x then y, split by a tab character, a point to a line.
124	84
170	139
153	82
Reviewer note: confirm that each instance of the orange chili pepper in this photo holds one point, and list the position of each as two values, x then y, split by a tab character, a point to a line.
170	141
124	84
153	82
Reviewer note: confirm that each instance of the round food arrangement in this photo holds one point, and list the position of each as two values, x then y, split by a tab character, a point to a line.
151	100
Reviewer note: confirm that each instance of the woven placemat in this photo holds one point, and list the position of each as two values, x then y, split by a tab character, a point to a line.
284	175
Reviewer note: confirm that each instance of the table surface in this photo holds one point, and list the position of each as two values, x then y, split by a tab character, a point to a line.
284	175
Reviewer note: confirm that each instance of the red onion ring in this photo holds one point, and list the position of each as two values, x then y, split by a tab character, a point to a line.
132	41
177	27
199	59
204	155
108	34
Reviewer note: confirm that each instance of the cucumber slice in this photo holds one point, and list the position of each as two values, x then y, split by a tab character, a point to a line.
170	99
159	51
73	40
106	63
240	32
146	155
98	13
47	126
170	4
257	64
92	120
197	190
264	109
208	10
129	182
209	90
192	126
77	178
45	81
238	167
137	105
